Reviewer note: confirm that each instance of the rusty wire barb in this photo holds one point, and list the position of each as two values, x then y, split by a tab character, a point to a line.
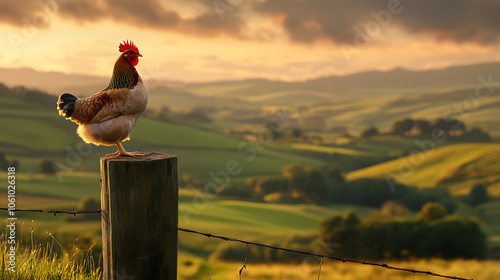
247	243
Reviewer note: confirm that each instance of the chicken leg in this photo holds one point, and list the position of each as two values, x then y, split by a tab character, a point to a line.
121	151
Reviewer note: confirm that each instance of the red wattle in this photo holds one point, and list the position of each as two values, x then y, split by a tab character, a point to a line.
134	60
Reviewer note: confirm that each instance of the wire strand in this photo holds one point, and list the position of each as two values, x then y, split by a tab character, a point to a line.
231	239
74	213
384	265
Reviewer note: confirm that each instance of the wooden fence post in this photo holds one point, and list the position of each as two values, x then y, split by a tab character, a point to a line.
139	203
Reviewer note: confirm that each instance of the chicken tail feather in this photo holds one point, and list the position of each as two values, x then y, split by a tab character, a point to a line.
66	104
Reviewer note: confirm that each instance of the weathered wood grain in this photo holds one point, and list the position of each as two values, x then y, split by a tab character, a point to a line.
139	202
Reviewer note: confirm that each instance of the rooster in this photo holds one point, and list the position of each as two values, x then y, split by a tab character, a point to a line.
108	117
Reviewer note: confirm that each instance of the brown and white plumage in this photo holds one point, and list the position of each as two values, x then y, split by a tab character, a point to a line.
108	117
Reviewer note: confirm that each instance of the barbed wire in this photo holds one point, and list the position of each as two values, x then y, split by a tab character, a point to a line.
231	239
344	260
74	213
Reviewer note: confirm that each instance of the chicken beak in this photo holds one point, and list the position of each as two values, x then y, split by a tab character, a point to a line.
139	55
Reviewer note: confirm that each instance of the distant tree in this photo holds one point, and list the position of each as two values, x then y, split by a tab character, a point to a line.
271	184
14	163
316	188
47	167
369	132
296	132
477	195
6	161
454	237
351	218
437	235
277	129
296	175
415	198
334	173
402	127
367	191
432	211
342	234
329	224
449	125
393	209
424	127
478	135
449	203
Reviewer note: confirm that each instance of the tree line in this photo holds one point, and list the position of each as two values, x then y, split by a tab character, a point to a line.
433	233
298	183
424	128
386	234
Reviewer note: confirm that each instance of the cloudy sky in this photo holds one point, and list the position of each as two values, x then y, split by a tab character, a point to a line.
206	40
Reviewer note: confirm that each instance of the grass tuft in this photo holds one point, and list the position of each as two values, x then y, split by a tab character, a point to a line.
37	262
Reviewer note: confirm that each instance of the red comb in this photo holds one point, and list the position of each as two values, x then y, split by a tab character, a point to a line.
126	45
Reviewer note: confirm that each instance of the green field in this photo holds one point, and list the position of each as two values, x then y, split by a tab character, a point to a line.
309	270
330	150
44	134
250	220
32	132
457	167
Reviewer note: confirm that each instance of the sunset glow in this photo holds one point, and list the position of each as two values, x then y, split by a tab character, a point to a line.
242	40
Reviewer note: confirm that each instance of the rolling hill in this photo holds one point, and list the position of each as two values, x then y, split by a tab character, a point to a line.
456	167
32	131
358	85
352	101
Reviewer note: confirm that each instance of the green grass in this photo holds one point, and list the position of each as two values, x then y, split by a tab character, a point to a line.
44	134
70	186
329	149
434	167
309	270
35	133
42	263
383	145
216	214
156	133
31	133
252	220
248	220
255	216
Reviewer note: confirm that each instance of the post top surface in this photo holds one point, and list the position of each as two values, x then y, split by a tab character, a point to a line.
140	156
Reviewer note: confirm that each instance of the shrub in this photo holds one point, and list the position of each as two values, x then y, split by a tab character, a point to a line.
432	211
47	167
477	195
